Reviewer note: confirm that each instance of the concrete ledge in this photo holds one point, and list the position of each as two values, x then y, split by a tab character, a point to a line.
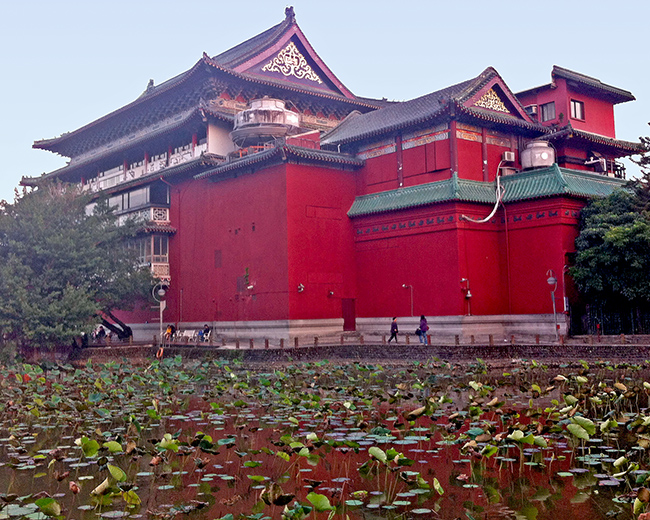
273	329
445	328
500	327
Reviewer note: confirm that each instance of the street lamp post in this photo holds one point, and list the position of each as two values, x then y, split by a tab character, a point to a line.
552	281
159	291
405	286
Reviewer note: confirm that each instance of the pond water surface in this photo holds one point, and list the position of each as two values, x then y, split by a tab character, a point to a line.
427	440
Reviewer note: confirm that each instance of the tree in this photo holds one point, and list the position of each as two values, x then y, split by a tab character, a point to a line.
641	186
613	251
62	270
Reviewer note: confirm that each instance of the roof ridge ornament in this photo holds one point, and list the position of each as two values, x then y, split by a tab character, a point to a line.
289	14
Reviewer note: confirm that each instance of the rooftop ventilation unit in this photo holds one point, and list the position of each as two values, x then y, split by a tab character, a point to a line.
265	120
537	154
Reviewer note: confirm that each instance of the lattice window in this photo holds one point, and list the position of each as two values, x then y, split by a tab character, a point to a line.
160	214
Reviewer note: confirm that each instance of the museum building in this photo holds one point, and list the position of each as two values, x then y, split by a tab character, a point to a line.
276	203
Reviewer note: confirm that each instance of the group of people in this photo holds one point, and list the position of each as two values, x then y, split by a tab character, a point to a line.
203	334
99	335
421	331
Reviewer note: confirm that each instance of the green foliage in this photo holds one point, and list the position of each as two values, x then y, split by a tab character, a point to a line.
613	251
641	186
60	267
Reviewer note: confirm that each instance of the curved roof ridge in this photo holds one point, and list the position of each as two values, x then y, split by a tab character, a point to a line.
400	114
241	52
44	144
621	95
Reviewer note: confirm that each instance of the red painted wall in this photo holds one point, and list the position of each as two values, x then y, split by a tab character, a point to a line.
420	164
223	228
320	240
470	160
540	233
378	174
506	265
482	262
427	163
417	248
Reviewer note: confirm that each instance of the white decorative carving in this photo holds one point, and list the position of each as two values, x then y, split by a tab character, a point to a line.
492	101
290	62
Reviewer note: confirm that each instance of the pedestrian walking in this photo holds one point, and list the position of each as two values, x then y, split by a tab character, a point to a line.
424	327
393	330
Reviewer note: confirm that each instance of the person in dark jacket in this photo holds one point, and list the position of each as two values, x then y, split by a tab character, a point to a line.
393	331
424	328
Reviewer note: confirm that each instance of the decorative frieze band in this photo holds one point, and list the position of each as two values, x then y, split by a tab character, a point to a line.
425	139
404	225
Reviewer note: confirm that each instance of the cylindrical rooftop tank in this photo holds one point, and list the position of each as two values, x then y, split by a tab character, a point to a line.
537	154
265	120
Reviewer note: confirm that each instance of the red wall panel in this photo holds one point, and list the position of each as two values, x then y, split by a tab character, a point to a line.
379	174
225	228
320	241
470	160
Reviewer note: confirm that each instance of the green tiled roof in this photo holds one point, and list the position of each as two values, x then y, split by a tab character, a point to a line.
554	180
545	182
423	194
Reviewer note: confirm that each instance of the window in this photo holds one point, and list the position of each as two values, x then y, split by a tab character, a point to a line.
138	197
577	109
150	249
548	111
115	202
159	193
160	245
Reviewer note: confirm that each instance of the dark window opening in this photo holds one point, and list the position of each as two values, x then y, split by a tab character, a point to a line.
548	111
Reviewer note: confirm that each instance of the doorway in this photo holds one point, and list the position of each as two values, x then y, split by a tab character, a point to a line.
349	316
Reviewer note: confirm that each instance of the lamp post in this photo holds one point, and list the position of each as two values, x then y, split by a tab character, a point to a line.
158	292
468	295
405	286
552	281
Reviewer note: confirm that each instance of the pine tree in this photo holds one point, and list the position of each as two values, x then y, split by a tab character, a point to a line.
61	268
641	186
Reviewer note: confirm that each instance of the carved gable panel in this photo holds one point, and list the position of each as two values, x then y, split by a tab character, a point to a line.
290	62
492	101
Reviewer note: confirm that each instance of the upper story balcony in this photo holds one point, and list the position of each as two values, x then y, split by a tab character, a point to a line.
154	214
118	175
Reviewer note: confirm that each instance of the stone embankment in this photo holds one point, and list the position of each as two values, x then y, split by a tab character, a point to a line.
611	348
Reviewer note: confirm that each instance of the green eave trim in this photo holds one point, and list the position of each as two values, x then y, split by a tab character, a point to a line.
545	182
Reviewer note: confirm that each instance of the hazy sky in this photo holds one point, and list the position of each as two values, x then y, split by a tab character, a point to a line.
65	63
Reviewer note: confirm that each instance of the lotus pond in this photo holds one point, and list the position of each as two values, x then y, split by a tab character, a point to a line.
218	440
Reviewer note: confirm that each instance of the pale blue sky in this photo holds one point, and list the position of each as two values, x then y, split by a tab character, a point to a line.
65	63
